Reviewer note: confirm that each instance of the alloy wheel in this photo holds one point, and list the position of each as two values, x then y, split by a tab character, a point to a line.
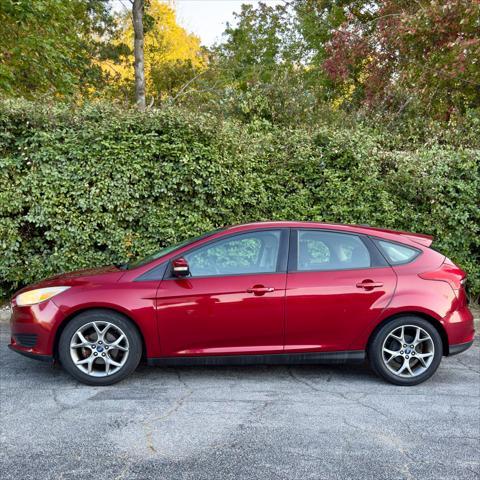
408	351
99	348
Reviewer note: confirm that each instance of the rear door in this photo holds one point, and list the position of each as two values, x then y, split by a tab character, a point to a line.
337	286
234	301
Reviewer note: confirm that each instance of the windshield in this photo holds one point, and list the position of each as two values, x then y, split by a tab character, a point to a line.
166	250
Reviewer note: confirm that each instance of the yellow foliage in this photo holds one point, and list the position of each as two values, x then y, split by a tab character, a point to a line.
347	94
348	89
166	44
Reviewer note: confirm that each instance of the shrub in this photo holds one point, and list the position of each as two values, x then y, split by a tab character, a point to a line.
97	185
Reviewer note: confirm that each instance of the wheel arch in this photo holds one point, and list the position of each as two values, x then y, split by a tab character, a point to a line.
433	321
74	314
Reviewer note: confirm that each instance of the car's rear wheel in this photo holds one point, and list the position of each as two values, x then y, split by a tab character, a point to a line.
406	351
100	347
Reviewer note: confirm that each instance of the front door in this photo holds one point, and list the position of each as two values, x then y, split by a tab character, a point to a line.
232	303
338	284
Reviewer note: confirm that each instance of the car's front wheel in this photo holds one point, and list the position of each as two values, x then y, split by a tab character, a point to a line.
406	351
100	347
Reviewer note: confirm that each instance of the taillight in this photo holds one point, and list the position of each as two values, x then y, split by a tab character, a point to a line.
447	272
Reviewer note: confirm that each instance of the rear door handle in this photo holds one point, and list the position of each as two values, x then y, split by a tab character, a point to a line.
368	284
260	290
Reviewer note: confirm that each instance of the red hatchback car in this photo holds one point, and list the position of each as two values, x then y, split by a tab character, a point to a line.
276	292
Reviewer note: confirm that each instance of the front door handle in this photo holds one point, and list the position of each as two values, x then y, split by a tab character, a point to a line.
260	290
369	284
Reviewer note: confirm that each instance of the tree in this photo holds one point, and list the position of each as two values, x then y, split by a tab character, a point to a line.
172	56
137	14
274	57
425	53
259	66
52	47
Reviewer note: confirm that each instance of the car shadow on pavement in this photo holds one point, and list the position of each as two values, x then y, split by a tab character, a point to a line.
309	375
19	369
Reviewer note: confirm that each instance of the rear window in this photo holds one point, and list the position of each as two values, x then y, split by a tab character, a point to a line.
397	254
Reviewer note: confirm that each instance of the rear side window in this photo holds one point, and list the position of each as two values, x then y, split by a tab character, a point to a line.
397	254
318	250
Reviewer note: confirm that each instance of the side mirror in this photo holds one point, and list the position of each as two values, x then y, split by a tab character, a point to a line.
180	268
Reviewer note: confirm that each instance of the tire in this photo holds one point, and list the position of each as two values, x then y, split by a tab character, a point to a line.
395	360
100	347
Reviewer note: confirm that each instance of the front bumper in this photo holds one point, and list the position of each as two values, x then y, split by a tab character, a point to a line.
35	356
33	329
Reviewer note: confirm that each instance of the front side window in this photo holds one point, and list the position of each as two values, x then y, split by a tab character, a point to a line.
248	253
397	254
167	250
318	250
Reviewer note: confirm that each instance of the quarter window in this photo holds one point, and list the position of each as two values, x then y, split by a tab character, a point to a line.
253	252
397	254
318	250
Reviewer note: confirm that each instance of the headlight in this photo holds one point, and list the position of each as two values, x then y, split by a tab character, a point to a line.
38	295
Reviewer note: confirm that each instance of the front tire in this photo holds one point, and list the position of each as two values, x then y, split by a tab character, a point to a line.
100	347
406	351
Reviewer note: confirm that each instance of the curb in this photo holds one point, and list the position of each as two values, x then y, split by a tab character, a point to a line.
4	315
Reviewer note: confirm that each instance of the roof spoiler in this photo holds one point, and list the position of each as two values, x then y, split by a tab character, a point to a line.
425	240
421	238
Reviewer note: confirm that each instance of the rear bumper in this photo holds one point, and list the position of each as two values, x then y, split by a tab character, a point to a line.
459	327
459	348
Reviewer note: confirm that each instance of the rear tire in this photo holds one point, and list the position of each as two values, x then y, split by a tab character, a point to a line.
100	347
406	351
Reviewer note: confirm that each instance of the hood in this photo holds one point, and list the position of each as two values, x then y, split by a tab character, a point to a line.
78	277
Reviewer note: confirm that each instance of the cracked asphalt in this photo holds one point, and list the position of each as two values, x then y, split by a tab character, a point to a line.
302	422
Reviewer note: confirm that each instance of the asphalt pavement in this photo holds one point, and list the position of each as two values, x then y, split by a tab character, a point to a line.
301	422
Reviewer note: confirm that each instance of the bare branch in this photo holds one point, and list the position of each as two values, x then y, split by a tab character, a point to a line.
187	84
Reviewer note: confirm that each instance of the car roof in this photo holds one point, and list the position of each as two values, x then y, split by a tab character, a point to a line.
389	234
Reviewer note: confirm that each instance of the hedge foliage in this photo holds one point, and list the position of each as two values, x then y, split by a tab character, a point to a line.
95	185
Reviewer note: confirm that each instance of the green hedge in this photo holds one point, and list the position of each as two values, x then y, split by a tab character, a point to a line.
95	185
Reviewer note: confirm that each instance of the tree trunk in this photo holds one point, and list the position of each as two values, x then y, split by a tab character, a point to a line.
137	13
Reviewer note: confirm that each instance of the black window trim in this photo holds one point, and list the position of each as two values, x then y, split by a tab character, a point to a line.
376	259
375	241
155	274
282	259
